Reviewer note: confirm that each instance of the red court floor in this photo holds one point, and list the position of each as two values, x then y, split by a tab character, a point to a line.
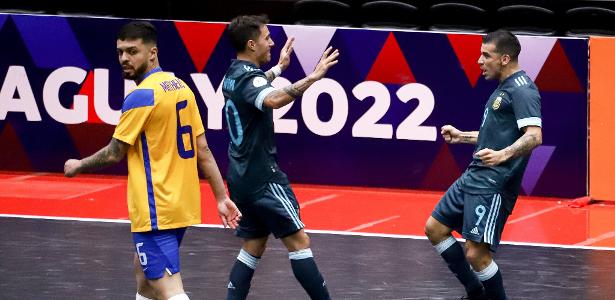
324	208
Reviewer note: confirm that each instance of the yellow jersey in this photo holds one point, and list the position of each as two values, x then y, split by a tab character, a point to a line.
160	120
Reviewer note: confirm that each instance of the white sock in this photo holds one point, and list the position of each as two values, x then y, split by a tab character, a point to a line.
488	272
140	297
300	254
180	297
443	245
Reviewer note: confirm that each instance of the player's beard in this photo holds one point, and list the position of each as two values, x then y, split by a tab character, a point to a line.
138	73
266	58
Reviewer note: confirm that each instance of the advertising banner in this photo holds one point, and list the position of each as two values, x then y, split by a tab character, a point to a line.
373	121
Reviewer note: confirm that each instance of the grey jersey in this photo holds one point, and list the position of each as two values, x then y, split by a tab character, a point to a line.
514	105
252	151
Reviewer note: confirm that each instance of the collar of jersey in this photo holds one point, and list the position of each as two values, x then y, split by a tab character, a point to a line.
152	71
245	62
509	78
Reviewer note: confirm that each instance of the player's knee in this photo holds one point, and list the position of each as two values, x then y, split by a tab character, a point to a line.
428	230
305	240
472	256
301	242
143	287
255	247
478	256
255	250
435	231
297	241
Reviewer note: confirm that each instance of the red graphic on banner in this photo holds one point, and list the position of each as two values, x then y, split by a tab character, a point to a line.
443	171
391	65
87	89
200	40
17	160
91	138
467	49
557	75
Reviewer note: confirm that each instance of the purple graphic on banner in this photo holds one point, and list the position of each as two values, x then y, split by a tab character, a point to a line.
2	20
310	42
51	41
538	161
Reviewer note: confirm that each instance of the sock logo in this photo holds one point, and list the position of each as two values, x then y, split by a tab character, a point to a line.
474	231
230	286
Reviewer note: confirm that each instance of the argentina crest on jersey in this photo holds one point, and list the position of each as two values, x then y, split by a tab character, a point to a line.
497	102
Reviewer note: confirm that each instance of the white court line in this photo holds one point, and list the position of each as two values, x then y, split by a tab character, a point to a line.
593	240
65	218
332	232
540	212
24	177
92	191
370	224
319	199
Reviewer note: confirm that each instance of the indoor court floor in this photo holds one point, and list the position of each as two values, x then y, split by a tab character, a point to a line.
70	239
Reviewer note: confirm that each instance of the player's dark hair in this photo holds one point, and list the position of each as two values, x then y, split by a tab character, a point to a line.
505	43
245	28
139	30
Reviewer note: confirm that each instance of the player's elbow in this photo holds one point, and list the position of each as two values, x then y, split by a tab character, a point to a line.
203	155
535	135
538	138
272	102
201	160
114	159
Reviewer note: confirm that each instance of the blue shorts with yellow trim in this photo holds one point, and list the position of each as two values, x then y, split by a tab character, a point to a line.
276	211
478	217
158	251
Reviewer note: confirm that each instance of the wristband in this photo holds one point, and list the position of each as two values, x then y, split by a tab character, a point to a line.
276	71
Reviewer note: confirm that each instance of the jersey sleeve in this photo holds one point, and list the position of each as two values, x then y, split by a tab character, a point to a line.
136	110
197	121
255	88
526	106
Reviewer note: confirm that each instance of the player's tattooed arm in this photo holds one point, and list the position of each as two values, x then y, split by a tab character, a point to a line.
270	75
469	137
531	139
453	135
111	154
288	94
523	146
273	73
298	88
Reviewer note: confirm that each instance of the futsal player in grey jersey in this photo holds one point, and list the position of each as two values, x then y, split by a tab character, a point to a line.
478	204
260	189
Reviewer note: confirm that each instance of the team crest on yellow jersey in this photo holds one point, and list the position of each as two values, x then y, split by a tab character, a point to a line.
496	103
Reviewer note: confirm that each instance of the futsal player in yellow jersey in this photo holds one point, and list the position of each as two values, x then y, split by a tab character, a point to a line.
161	131
162	156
